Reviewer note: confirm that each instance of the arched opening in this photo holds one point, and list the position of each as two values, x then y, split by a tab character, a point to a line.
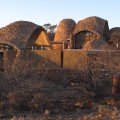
83	37
4	46
39	40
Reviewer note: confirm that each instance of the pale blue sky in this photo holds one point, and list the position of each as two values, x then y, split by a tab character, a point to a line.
53	11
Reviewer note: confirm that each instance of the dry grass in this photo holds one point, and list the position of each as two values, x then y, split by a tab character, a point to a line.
30	88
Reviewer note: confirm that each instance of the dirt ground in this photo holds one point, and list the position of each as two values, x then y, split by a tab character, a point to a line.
97	112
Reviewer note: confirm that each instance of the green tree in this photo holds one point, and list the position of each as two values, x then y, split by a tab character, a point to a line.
52	28
49	28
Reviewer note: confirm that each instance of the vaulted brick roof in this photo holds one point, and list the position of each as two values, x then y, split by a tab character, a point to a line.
94	24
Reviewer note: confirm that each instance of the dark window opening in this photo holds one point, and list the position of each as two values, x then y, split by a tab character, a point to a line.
4	46
1	62
83	37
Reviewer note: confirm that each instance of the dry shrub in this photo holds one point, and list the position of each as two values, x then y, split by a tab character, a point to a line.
29	87
18	100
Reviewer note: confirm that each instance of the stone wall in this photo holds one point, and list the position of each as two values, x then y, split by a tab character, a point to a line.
76	59
51	59
69	59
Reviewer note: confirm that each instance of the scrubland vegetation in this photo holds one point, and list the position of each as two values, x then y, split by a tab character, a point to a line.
60	93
